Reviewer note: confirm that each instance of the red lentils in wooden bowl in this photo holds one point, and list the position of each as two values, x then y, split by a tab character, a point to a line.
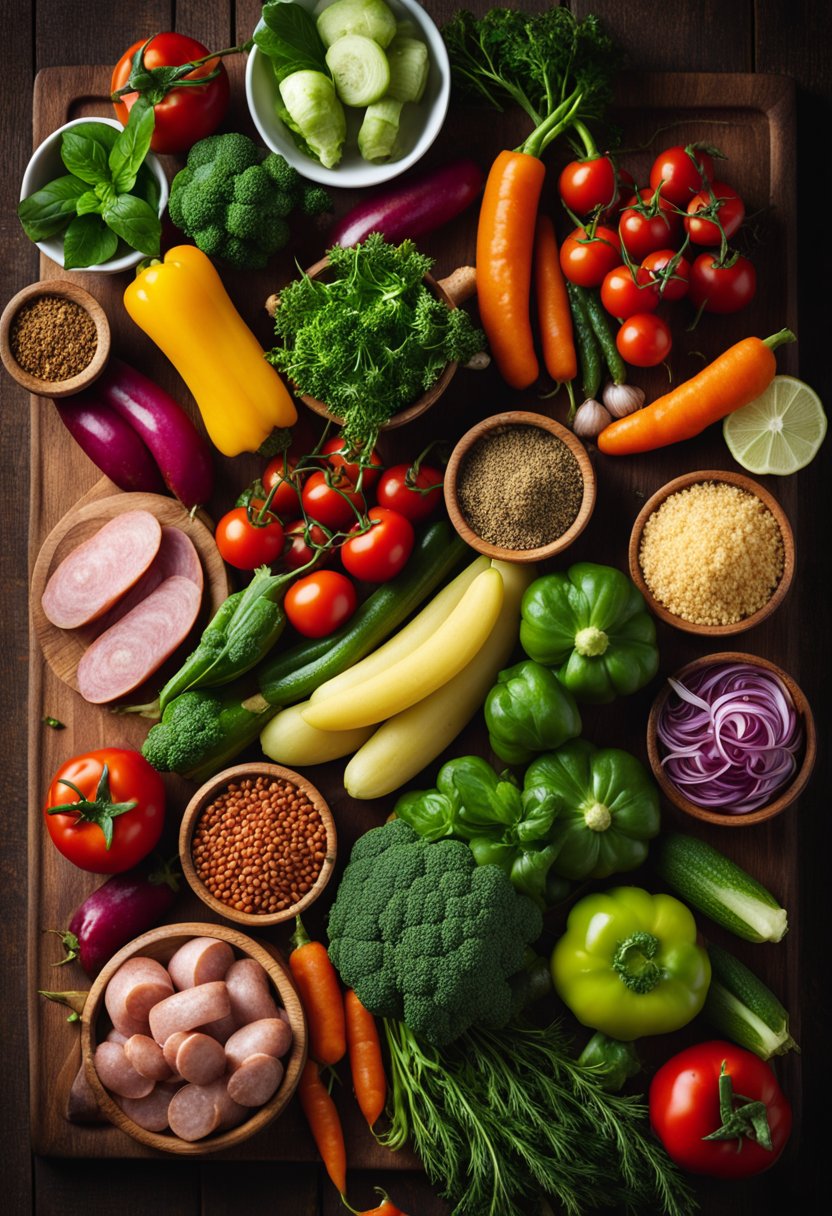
257	844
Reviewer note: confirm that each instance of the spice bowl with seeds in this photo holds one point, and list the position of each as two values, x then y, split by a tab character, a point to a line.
712	553
519	487
257	844
54	338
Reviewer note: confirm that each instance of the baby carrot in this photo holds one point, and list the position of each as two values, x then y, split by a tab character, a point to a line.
324	1124
553	312
735	378
320	995
366	1062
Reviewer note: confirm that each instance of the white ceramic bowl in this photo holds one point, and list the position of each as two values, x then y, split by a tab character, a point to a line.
420	124
46	165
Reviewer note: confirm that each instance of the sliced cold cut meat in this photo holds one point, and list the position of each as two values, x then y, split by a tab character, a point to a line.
151	1112
268	1036
194	1112
98	572
255	1080
124	656
147	1057
171	1046
138	985
200	1059
249	992
117	1073
176	555
199	961
231	1112
189	1009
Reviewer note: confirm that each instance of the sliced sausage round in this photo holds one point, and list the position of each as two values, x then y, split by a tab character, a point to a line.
268	1036
147	1057
188	1009
171	1046
138	985
176	555
151	1112
222	1028
200	1059
255	1080
194	1112
200	961
249	991
117	1073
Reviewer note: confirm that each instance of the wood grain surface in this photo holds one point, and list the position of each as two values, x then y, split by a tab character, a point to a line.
689	36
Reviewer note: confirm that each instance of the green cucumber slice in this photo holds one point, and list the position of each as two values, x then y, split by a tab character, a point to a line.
313	112
409	67
359	68
371	18
377	135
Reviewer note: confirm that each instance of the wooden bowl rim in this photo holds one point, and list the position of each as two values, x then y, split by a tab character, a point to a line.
272	962
744	483
80	296
508	418
207	792
787	796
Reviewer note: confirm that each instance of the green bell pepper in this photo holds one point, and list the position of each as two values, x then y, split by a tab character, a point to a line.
628	964
527	711
612	1061
592	626
607	808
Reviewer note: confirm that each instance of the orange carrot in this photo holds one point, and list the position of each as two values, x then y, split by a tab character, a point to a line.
505	242
735	378
322	1116
553	312
320	995
366	1062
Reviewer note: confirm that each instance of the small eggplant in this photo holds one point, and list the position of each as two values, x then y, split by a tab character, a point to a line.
110	442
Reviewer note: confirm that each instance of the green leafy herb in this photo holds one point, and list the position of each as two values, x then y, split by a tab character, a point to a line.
128	153
291	40
88	242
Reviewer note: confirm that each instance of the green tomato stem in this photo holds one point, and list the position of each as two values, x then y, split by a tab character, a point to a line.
749	1118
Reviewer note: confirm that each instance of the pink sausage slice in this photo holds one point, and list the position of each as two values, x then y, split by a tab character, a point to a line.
200	961
268	1036
222	1029
176	555
188	1009
146	1057
171	1046
151	1112
124	656
249	992
255	1080
136	987
231	1112
98	572
117	1073
200	1059
194	1112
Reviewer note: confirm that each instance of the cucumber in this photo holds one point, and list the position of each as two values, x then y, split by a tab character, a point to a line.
741	1007
589	352
371	18
313	112
409	66
378	132
720	888
600	322
359	69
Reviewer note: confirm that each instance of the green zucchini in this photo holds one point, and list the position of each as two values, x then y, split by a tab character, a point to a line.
359	68
600	322
720	888
589	352
741	1007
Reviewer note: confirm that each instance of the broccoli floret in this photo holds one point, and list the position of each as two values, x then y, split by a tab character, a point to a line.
201	731
315	200
233	200
423	934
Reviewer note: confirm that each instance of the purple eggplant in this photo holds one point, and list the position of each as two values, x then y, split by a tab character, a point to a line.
110	442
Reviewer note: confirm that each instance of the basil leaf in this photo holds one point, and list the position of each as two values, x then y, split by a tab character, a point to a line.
84	157
89	204
135	222
105	192
291	40
48	210
99	131
147	187
88	242
131	147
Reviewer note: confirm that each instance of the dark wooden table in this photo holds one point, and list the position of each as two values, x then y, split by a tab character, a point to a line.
791	37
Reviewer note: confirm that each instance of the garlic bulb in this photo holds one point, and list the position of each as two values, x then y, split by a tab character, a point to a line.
622	399
590	419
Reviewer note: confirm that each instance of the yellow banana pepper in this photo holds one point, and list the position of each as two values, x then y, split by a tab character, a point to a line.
182	305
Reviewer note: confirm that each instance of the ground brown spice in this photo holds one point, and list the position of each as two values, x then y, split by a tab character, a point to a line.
53	338
519	487
259	846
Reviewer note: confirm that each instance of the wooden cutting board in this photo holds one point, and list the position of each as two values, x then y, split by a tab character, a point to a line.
752	119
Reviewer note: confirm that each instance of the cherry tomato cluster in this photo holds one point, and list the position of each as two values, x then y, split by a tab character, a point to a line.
640	247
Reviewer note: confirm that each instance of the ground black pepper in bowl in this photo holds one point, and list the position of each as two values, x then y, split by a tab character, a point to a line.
53	338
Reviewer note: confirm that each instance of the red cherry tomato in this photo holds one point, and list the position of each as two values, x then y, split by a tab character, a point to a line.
625	292
681	173
587	184
298	552
317	604
332	501
246	544
722	288
81	834
726	206
339	459
186	114
585	260
286	498
379	553
685	1108
644	340
646	226
416	497
673	285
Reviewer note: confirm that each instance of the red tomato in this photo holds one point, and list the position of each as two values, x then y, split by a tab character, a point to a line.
346	469
317	604
332	501
286	499
585	260
722	288
414	497
625	292
644	340
681	173
726	206
299	553
246	544
381	551
673	285
587	184
647	225
107	781
685	1108
186	114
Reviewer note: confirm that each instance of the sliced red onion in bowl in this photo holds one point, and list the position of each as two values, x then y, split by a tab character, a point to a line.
730	737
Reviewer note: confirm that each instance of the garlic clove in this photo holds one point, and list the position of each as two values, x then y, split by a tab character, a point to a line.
622	399
590	419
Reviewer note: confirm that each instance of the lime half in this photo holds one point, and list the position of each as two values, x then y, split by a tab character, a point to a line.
780	432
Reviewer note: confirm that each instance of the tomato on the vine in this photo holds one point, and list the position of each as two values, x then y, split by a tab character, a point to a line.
722	287
245	541
105	810
346	468
585	259
644	340
587	184
377	554
298	553
317	604
681	172
700	1090
673	284
625	292
332	500
647	224
280	472
186	114
415	497
726	206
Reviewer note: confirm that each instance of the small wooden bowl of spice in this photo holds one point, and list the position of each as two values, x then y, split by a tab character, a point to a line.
54	338
712	553
519	487
257	844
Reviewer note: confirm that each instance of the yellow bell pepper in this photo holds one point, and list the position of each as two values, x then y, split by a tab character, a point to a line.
182	305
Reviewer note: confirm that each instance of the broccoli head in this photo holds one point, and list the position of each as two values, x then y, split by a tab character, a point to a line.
423	934
203	730
233	200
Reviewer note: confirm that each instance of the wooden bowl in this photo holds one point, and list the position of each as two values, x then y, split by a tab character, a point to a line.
502	421
160	944
207	793
69	291
785	797
682	483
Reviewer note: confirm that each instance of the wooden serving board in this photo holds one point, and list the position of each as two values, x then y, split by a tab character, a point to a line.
752	119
